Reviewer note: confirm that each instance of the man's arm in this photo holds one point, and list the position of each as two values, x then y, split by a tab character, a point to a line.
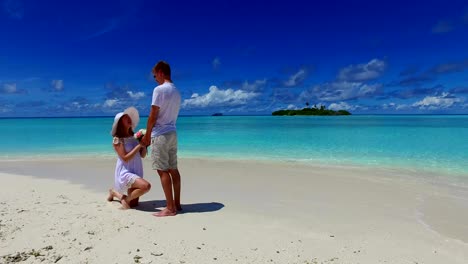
152	119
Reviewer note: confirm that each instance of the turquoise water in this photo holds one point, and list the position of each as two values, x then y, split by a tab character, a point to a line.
435	143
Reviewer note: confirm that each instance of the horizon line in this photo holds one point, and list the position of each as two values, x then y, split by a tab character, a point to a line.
210	115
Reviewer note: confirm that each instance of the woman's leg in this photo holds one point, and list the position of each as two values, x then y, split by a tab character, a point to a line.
134	202
112	194
140	187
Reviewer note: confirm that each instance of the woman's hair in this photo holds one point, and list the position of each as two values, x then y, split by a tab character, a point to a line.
120	131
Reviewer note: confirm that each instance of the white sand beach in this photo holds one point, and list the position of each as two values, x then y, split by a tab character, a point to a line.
55	211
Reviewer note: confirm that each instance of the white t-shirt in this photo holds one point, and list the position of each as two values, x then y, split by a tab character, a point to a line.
167	98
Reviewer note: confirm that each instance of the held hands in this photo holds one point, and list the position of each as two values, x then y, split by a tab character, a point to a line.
145	141
142	145
143	149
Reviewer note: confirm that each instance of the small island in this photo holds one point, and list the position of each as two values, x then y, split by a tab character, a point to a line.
217	114
322	111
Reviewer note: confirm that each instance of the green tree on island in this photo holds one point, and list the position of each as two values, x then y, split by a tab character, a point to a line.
322	111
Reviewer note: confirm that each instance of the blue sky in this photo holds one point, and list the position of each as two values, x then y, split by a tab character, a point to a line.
82	58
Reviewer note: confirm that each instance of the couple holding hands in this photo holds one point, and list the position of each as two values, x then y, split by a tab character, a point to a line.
161	134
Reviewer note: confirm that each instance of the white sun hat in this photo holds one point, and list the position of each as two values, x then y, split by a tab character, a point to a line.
132	113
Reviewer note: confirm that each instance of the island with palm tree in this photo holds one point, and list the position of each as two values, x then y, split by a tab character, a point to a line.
319	111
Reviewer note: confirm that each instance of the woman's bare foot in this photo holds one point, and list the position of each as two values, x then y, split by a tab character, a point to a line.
124	203
110	197
165	212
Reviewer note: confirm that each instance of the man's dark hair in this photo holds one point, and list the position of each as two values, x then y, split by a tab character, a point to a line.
163	67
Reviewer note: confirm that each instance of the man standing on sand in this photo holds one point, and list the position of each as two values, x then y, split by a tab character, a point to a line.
161	127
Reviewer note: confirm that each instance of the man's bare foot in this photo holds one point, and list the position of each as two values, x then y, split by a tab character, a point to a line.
179	208
165	212
124	203
110	197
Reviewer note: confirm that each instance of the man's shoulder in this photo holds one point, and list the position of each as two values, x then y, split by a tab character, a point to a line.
159	88
165	85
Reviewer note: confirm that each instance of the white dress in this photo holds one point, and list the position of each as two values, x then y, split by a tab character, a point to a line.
127	172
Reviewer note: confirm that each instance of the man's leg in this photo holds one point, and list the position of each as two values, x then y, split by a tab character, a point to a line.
177	185
166	183
160	157
173	171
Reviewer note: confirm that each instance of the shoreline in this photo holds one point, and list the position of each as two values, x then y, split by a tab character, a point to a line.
444	177
293	213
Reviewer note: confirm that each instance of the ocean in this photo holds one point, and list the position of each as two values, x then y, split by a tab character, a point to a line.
436	143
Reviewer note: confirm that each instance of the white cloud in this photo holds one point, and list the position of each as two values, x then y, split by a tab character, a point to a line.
216	63
73	106
9	88
254	86
340	90
81	107
292	107
365	89
437	102
349	84
343	106
110	102
388	106
57	85
136	95
14	8
128	11
109	26
402	107
217	97
76	105
394	106
442	27
363	72
296	79
5	109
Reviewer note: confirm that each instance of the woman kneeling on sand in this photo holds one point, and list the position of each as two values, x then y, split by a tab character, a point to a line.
129	167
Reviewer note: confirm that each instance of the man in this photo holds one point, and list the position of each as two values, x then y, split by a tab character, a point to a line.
161	127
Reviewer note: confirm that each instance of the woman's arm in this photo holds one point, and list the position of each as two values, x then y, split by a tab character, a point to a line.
120	149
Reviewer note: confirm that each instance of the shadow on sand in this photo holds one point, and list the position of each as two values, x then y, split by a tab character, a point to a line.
153	206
